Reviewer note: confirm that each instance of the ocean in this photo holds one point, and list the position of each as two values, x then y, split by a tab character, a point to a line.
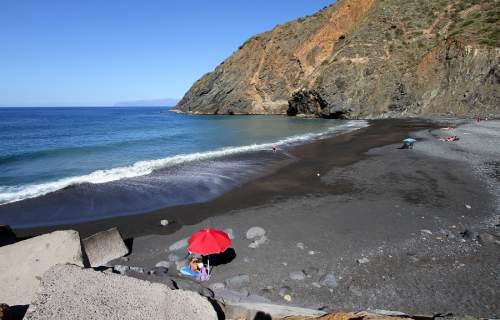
69	165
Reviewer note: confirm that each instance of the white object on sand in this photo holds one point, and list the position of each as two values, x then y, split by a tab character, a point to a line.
468	206
164	222
255	232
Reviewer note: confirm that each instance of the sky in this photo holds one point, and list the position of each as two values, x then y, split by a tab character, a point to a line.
93	52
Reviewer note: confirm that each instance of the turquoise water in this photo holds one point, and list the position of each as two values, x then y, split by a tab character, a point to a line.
51	153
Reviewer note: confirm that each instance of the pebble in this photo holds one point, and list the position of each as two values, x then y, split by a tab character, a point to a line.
164	264
257	243
426	231
287	297
137	269
285	290
468	206
329	280
363	260
315	284
255	232
300	245
311	252
164	222
297	275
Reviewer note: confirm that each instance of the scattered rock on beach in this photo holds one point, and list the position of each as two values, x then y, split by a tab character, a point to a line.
300	245
285	290
257	243
164	222
164	264
121	269
363	260
468	206
179	245
137	269
426	231
158	271
255	232
297	275
237	281
329	280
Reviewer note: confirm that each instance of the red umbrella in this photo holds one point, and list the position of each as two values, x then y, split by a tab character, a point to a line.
208	241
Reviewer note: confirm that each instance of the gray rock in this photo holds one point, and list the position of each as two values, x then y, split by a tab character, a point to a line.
104	246
230	233
329	280
315	284
164	222
257	243
164	264
300	245
237	281
285	290
121	268
101	296
255	232
23	263
297	275
179	245
363	260
137	269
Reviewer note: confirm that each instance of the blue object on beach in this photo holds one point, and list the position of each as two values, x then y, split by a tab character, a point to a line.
186	271
409	140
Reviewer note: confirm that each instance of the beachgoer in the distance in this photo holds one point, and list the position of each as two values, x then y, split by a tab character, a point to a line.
274	148
193	264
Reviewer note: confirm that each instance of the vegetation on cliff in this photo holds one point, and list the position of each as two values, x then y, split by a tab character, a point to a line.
364	58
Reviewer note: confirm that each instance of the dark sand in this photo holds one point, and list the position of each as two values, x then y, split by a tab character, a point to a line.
370	201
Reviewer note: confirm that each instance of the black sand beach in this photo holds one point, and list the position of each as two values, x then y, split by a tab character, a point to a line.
393	229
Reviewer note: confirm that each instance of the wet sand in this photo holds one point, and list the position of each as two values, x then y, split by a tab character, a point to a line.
292	178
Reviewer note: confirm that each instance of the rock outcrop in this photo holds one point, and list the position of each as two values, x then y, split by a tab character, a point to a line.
22	264
70	292
364	59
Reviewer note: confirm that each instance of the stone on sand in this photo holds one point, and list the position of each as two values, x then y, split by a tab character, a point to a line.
164	264
137	269
255	232
285	290
329	280
121	268
258	242
164	222
179	245
69	292
237	281
230	233
22	264
363	260
297	275
104	246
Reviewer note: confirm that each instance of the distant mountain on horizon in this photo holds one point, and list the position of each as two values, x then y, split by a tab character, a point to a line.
167	102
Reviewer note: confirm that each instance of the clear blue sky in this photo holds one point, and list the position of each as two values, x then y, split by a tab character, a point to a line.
90	52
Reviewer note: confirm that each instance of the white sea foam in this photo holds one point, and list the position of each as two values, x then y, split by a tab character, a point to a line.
10	194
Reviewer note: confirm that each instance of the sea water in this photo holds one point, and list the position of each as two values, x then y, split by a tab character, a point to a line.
66	165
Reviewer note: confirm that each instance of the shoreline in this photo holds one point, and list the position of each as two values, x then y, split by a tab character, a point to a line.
271	186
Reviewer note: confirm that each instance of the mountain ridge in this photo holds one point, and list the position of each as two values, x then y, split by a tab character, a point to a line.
363	59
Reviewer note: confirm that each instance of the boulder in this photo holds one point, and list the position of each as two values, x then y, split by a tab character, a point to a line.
7	236
70	292
22	264
104	246
255	232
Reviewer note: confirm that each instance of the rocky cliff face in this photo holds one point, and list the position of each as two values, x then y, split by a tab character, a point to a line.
362	59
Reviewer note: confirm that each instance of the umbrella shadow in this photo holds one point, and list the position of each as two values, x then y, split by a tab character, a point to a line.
221	258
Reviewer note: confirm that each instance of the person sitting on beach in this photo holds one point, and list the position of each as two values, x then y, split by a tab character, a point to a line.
194	264
192	269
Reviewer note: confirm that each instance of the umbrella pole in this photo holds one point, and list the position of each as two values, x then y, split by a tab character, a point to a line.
209	266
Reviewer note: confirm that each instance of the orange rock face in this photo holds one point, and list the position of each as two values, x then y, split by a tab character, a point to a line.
363	59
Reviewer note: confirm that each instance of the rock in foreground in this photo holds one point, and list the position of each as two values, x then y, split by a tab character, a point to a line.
22	264
69	292
104	246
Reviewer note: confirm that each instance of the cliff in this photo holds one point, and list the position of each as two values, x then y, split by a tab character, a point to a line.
362	59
